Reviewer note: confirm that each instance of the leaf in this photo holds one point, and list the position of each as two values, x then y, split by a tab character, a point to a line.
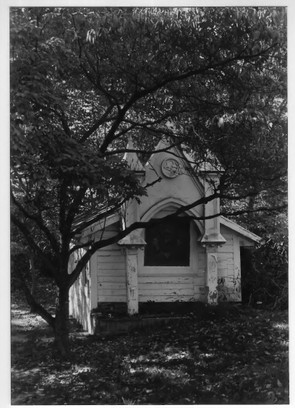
256	35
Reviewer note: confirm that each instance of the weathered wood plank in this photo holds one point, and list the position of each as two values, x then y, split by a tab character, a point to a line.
112	279
225	258
171	282
110	259
152	287
109	298
116	251
160	278
168	279
166	291
111	292
111	285
226	249
113	274
107	252
165	271
169	298
111	266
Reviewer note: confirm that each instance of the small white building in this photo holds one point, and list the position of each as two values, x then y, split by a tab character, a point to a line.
185	259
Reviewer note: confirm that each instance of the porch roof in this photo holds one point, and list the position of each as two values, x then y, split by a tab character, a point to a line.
240	230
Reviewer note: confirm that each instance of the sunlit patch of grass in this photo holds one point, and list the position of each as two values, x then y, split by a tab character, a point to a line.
284	343
53	379
207	355
280	326
161	373
181	355
163	356
81	369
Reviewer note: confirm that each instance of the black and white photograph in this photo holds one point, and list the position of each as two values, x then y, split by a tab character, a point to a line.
148	204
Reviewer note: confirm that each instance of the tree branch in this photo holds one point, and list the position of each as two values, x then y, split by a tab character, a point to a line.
35	306
173	78
143	151
99	217
32	244
96	124
74	207
38	221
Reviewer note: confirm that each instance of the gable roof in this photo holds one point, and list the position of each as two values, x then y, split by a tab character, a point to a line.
187	161
131	158
240	230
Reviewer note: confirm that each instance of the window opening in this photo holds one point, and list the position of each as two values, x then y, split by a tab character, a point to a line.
168	243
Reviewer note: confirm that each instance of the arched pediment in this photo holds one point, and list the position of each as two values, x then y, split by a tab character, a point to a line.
170	204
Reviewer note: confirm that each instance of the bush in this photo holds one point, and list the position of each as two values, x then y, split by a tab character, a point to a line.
266	280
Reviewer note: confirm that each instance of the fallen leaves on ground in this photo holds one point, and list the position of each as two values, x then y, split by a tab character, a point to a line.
236	358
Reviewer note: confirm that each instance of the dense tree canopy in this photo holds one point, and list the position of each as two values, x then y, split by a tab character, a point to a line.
84	80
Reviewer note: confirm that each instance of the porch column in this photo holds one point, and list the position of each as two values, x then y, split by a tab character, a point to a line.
212	237
132	243
212	225
212	273
132	280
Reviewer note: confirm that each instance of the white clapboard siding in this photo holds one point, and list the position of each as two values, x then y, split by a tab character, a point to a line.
114	274
166	293
111	266
79	294
159	280
112	285
111	253
112	279
155	287
111	259
109	232
229	264
201	266
225	265
112	299
169	288
111	270
114	292
167	298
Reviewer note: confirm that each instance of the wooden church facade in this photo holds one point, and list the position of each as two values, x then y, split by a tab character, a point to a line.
185	259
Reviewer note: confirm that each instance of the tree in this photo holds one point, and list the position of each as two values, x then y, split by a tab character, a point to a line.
84	80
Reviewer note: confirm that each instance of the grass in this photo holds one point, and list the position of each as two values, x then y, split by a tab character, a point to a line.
235	356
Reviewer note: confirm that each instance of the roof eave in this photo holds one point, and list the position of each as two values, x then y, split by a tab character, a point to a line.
240	230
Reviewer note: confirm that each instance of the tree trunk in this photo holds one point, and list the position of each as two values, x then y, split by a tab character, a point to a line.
61	327
33	273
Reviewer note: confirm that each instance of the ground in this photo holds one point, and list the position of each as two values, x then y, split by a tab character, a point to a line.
233	355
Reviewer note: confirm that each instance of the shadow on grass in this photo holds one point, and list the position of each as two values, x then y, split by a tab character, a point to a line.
239	357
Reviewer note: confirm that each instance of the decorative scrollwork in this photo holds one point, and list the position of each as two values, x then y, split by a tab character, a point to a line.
171	168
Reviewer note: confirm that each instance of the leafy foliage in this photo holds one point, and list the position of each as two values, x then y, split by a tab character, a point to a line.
267	280
84	80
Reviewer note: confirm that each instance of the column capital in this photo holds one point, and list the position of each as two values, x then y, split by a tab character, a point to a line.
132	240
212	240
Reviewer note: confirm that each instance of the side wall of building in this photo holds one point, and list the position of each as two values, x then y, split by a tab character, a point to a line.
102	281
79	296
229	267
110	266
